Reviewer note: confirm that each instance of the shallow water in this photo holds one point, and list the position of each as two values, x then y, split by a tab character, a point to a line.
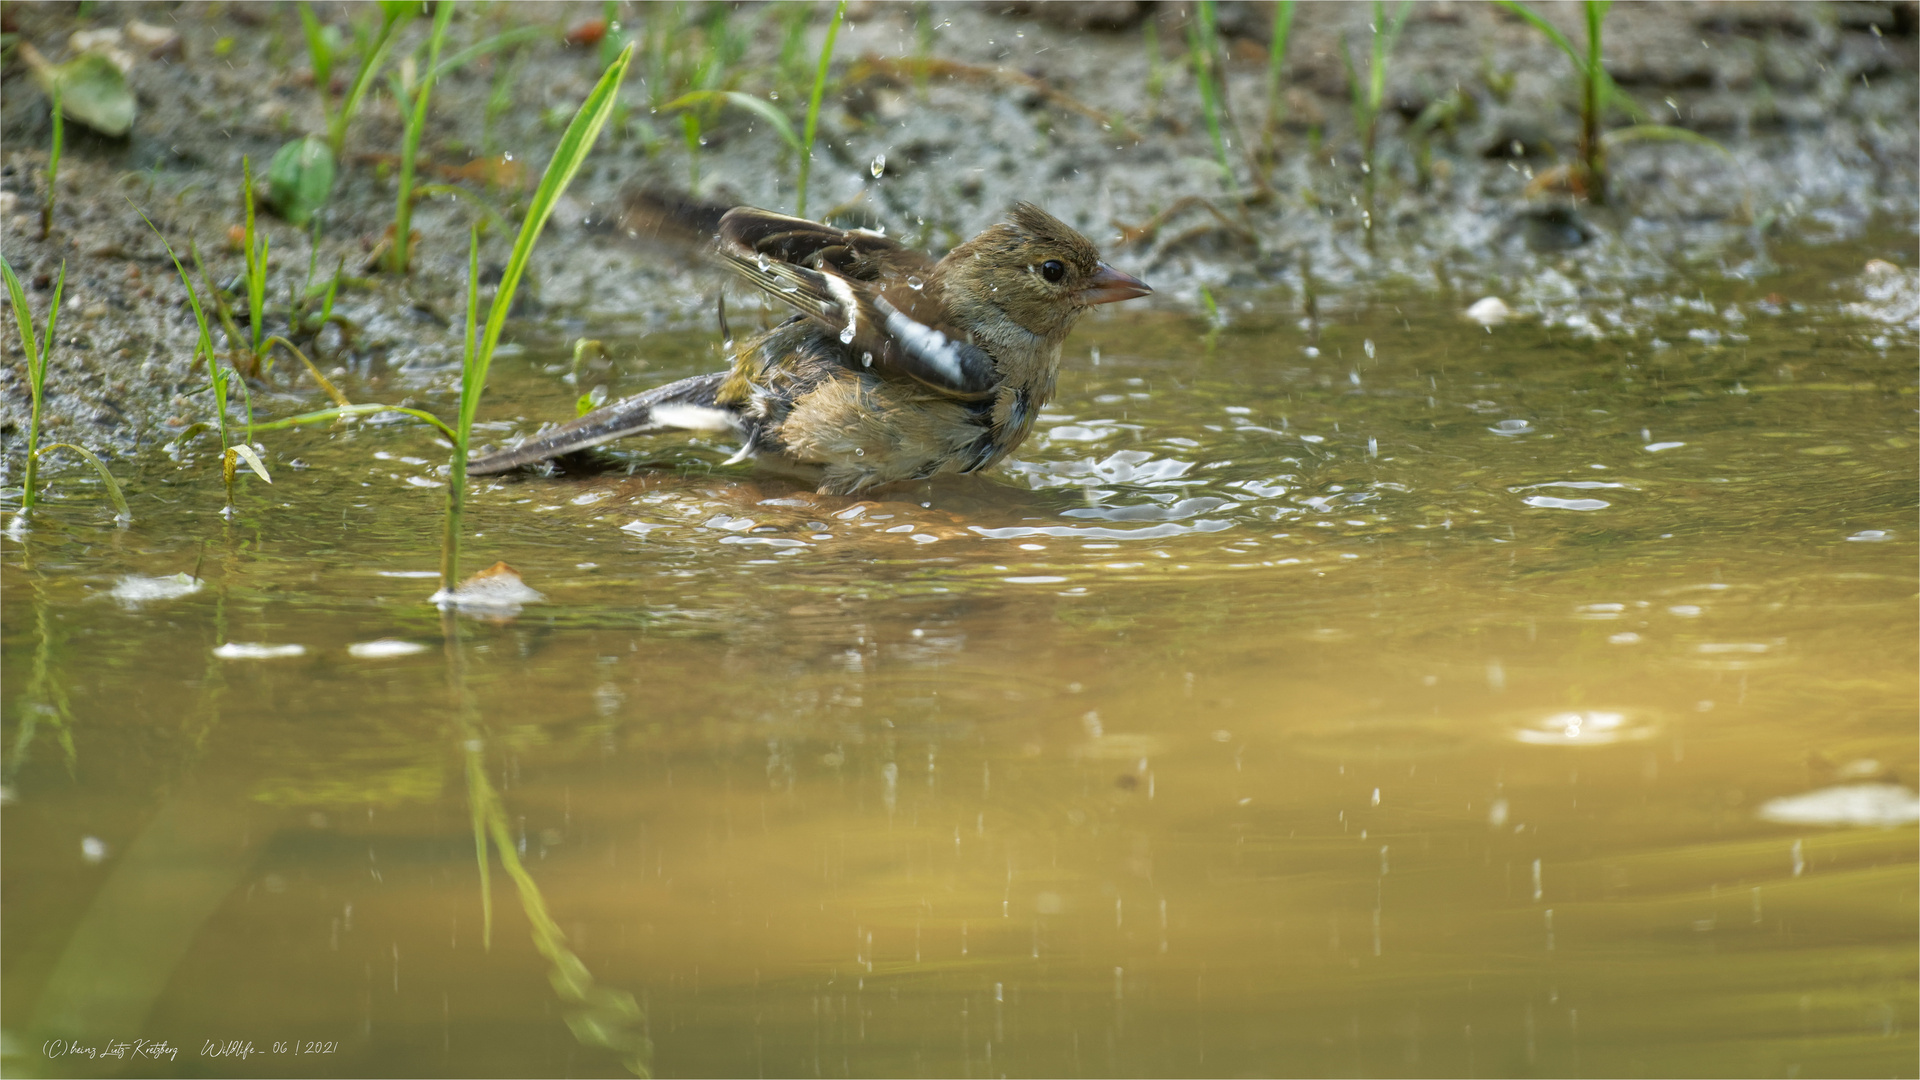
1365	693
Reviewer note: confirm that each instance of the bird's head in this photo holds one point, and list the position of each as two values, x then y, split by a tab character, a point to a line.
1036	271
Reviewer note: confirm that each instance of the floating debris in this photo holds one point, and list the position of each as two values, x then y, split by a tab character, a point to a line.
248	650
1881	805
1489	311
497	590
384	648
1548	502
134	590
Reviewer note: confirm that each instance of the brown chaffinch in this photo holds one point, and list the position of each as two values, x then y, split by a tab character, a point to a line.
897	367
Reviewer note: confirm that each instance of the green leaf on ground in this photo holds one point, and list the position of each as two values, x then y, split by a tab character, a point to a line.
91	88
300	178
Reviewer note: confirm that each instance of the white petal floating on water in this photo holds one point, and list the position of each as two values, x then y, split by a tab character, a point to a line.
1548	502
498	590
249	650
1882	805
1654	448
134	590
1583	728
641	528
1870	536
1489	311
1040	579
384	648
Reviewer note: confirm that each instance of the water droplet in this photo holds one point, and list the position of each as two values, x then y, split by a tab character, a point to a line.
1368	345
915	282
846	335
879	165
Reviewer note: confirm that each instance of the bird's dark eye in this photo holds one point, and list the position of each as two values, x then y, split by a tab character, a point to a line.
1053	270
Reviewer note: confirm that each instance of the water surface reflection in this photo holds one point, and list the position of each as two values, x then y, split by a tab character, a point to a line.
1390	696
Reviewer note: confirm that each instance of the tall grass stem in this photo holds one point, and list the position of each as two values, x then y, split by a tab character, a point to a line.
813	104
477	352
38	353
53	164
398	255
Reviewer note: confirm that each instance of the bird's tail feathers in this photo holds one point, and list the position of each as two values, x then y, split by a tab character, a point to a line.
687	405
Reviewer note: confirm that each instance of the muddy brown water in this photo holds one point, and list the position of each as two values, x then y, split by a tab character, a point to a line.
1374	694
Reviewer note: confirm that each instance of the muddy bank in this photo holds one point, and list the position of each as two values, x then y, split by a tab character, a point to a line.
1089	108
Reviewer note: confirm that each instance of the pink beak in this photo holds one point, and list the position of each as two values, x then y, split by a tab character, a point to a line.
1108	285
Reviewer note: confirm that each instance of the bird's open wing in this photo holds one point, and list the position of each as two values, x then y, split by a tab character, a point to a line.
878	297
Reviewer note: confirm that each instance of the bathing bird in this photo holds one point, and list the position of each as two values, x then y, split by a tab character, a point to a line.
893	366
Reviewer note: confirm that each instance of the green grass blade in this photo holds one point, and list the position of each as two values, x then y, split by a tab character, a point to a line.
1661	133
813	104
252	459
760	107
53	163
1276	63
474	52
575	143
53	319
362	81
1552	32
363	409
113	486
332	390
36	370
398	255
23	316
319	52
205	344
256	264
470	390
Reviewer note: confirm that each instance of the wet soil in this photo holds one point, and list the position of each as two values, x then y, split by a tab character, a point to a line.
1088	108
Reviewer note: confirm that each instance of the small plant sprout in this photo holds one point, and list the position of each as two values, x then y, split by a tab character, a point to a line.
813	105
1276	64
1369	96
765	110
231	453
416	122
391	13
256	254
477	348
53	166
1597	93
1204	57
300	176
39	352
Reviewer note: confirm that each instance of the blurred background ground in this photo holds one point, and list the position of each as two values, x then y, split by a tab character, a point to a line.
937	117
